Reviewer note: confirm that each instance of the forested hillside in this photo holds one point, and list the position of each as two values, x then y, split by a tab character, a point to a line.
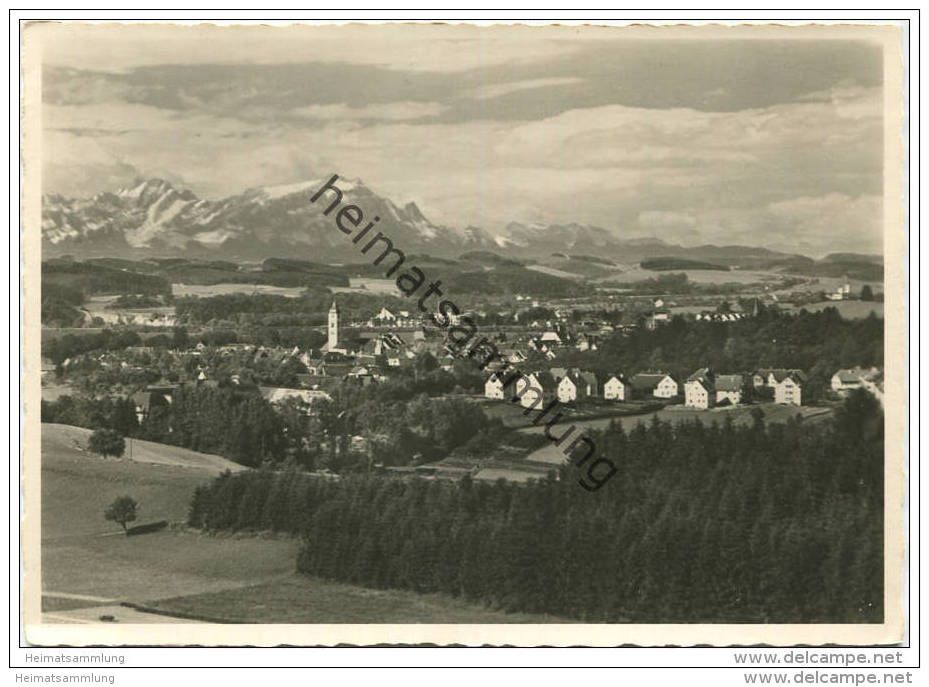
777	523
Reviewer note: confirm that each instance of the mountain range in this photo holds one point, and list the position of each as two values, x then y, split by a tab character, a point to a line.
153	218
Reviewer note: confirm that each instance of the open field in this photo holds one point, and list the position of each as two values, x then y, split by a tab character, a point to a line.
85	556
207	290
554	272
98	306
631	273
372	287
60	443
321	601
89	566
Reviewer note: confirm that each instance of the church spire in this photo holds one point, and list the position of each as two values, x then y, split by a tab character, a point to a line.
333	333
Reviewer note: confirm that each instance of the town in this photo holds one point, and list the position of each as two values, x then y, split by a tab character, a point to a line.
317	402
602	357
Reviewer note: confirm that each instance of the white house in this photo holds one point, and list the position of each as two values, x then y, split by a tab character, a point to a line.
551	337
846	380
699	391
493	387
789	391
772	377
659	385
841	293
617	389
729	388
570	388
529	391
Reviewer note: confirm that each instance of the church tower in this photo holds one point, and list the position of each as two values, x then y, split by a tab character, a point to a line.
333	339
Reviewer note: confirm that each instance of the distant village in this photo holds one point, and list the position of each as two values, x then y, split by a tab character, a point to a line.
367	352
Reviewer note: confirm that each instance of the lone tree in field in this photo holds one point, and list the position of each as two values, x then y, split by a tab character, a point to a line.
866	293
107	442
121	511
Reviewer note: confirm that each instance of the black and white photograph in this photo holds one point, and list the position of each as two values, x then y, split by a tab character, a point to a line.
463	334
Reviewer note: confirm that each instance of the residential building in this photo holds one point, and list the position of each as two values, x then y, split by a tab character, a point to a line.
729	388
699	389
849	379
493	387
772	377
617	388
657	317
656	384
529	391
789	391
570	388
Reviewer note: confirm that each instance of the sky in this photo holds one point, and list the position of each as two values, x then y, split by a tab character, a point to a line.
774	142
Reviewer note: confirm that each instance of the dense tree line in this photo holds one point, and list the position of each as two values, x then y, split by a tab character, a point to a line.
817	342
777	523
309	309
116	414
59	349
239	425
665	264
422	429
94	278
242	427
61	305
512	279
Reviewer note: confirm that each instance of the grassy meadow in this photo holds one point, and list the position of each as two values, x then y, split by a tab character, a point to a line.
89	566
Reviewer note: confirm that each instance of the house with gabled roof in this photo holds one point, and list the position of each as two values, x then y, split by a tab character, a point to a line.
789	390
852	378
729	388
699	389
493	387
656	384
617	388
571	387
529	391
558	372
772	377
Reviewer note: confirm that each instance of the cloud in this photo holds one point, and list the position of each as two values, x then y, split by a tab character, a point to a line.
499	89
486	147
384	111
832	221
448	48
